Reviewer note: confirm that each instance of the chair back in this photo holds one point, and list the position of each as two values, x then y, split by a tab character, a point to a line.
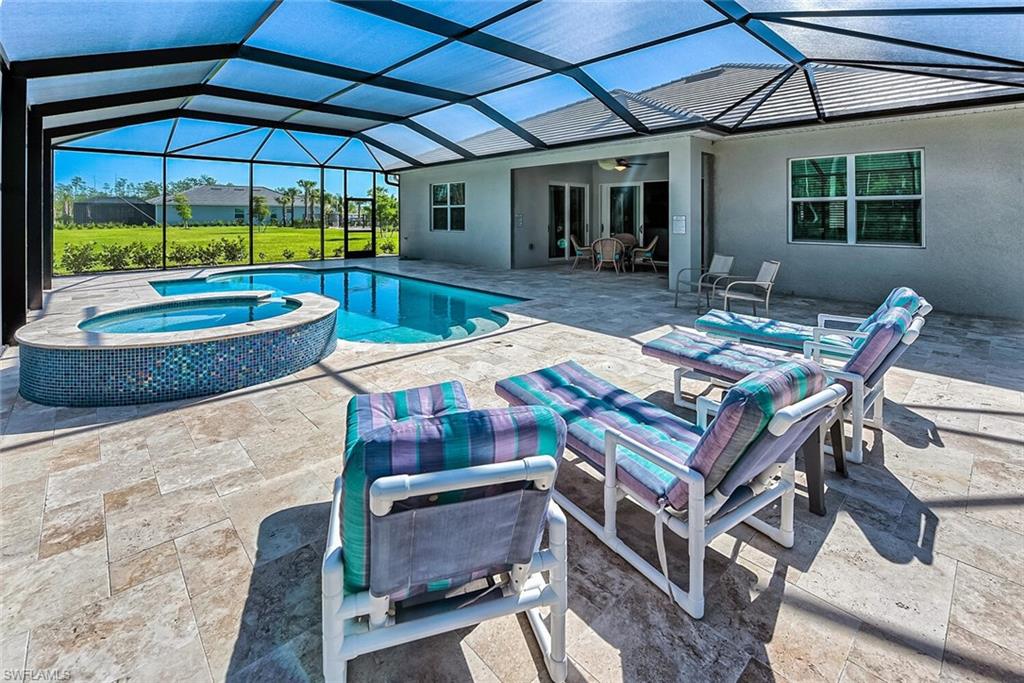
744	415
766	275
890	334
576	245
650	247
721	264
608	249
436	542
903	297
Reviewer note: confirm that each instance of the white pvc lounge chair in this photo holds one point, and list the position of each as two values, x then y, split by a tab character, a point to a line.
718	270
754	290
792	336
698	480
725	362
437	523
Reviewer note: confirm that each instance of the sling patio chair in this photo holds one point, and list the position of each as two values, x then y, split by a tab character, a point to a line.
754	290
644	255
699	480
718	270
724	362
609	251
580	253
838	342
436	524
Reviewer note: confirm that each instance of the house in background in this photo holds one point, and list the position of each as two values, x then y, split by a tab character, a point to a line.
113	210
227	204
927	192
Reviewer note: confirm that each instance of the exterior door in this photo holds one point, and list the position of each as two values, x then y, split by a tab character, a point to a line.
655	199
360	227
567	217
622	210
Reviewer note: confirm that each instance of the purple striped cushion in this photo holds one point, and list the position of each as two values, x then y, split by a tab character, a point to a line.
719	358
747	409
590	406
883	336
452	440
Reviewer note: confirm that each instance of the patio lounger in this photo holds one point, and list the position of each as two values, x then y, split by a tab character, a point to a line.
793	336
698	480
863	374
436	524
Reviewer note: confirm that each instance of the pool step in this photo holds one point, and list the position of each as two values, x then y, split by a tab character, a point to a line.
473	326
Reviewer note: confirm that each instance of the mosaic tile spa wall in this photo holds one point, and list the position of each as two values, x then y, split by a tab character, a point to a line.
125	376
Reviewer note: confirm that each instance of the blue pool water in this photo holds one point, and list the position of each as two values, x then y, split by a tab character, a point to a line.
374	307
191	316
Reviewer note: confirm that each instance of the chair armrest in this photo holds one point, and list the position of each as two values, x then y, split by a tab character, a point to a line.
332	568
743	283
679	274
814	349
706	406
825	318
832	395
612	439
385	491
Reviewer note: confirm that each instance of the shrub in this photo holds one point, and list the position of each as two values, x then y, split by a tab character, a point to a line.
209	254
232	250
181	254
388	241
338	252
116	256
146	257
288	254
313	252
262	256
78	258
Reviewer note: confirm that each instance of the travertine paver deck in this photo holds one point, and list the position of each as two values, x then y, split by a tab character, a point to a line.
183	541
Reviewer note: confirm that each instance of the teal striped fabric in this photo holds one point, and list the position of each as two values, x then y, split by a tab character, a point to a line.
590	406
451	439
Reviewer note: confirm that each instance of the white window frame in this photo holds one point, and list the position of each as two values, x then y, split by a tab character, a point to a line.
449	206
851	200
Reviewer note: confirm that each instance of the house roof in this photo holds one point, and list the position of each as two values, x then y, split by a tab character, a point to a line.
222	195
418	83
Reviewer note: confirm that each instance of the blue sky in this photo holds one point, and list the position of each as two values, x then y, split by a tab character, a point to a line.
635	71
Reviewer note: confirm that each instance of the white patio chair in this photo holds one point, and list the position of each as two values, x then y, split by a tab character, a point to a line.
720	267
760	287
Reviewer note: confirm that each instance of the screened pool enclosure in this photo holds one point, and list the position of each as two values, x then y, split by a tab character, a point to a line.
329	89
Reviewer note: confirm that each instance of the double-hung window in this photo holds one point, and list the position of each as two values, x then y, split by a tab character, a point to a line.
448	206
872	199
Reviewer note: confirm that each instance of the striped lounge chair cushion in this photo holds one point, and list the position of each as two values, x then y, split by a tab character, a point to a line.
777	333
451	440
591	405
747	409
884	334
715	357
787	335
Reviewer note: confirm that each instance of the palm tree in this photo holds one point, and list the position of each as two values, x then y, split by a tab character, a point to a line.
282	199
307	193
292	193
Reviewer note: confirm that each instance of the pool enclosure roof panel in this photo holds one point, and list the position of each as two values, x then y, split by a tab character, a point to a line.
418	82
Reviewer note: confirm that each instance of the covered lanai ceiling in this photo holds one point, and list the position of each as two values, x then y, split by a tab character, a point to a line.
390	85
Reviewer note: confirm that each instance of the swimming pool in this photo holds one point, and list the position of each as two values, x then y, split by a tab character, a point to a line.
184	316
373	307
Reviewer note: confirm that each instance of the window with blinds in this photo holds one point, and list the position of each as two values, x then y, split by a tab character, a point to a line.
871	199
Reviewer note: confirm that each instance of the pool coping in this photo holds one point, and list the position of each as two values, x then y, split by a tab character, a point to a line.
61	331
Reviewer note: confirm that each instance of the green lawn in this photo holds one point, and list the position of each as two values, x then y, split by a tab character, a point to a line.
270	244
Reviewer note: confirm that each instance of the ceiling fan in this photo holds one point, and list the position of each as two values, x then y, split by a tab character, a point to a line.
619	164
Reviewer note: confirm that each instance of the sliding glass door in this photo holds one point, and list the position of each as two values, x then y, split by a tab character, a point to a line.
567	218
